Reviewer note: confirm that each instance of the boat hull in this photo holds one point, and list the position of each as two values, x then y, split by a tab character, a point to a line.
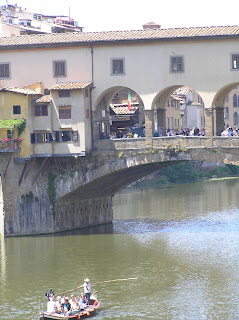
88	312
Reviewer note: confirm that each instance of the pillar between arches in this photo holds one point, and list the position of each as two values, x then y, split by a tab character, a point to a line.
148	127
219	112
209	126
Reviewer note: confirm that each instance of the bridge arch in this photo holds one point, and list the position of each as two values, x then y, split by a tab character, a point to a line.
111	112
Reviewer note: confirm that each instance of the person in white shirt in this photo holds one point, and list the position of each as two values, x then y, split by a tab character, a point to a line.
51	305
87	289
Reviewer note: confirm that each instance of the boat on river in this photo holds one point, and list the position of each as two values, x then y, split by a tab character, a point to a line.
89	311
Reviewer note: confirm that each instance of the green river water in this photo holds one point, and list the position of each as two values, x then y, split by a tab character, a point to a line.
181	243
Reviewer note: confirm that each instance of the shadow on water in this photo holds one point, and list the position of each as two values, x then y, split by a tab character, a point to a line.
138	226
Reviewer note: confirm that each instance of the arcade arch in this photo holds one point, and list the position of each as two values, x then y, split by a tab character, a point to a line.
176	108
225	111
113	116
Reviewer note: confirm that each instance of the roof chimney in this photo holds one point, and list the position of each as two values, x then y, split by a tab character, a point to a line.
151	25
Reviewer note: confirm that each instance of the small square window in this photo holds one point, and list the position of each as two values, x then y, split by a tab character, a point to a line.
65	113
64	93
118	67
59	69
41	110
16	109
176	64
4	70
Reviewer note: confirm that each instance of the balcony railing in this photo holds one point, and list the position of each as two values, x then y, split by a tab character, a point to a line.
9	145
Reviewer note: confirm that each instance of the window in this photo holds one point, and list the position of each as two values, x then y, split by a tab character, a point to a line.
118	66
86	93
41	110
226	113
176	64
4	70
16	109
235	61
43	137
235	101
235	119
64	93
59	69
65	112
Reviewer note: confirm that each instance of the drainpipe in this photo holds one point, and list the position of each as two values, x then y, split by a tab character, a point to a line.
91	88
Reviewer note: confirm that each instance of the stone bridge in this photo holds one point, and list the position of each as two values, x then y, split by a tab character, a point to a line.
47	195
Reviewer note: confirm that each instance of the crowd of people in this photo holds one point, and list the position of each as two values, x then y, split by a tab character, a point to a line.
230	132
67	306
169	132
186	132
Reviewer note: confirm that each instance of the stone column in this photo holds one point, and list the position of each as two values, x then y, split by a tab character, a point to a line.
149	127
209	127
219	120
161	119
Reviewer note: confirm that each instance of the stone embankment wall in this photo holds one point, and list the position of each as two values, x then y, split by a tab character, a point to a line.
30	203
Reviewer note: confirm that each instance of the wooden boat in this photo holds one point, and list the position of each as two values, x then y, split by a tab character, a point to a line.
77	315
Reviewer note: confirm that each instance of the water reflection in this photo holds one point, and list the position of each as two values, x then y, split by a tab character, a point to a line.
180	243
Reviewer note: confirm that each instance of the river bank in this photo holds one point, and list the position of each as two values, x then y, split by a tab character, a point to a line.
185	173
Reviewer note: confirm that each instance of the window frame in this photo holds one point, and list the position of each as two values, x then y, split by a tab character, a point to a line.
16	108
66	93
41	112
177	63
113	71
56	72
65	112
232	61
3	75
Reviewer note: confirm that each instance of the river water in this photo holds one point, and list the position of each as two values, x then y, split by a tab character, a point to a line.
180	243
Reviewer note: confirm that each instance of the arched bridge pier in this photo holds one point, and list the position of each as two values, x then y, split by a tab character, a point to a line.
53	194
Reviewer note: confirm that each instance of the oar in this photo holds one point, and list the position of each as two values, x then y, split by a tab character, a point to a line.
105	281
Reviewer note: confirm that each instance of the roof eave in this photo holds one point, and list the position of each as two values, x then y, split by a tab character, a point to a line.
118	42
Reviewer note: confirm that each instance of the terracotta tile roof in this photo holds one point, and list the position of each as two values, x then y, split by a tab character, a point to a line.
44	99
123	110
70	85
27	92
112	36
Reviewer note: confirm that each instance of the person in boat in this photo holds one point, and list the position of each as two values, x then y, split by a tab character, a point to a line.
82	302
73	303
58	304
51	305
63	299
87	289
66	306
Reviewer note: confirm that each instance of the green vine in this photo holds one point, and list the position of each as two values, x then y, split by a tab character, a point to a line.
51	190
20	124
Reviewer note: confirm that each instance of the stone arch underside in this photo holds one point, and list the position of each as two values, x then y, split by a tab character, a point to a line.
109	179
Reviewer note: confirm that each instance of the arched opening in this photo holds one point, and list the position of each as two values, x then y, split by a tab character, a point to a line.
178	110
119	113
225	110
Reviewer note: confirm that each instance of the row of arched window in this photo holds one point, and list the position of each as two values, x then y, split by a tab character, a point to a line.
235	101
235	116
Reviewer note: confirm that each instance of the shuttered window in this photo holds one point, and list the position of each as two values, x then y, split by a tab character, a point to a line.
59	69
4	70
176	64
